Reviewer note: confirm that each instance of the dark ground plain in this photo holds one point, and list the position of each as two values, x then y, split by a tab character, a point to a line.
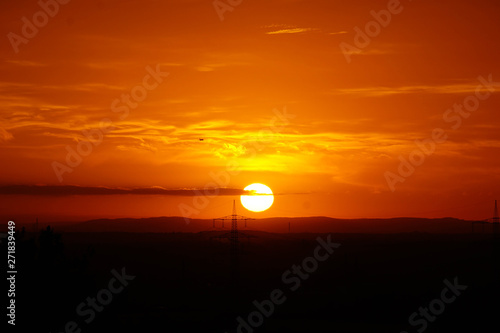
371	283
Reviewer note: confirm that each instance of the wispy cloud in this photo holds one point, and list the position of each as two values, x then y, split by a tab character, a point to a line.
417	89
25	63
5	136
290	31
278	29
338	32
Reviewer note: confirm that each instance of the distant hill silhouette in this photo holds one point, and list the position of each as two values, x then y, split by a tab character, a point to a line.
279	224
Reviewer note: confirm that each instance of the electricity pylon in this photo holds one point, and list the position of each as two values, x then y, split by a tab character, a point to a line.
494	221
233	240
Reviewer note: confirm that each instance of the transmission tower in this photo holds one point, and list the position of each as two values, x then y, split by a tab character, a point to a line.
494	221
233	240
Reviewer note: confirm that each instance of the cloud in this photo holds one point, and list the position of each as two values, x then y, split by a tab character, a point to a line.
338	32
212	124
229	150
417	89
5	136
204	69
278	29
290	31
210	67
49	190
26	63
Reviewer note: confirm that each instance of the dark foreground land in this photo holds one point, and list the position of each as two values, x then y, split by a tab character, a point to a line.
183	283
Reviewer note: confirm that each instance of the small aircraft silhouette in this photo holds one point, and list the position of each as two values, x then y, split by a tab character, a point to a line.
202	139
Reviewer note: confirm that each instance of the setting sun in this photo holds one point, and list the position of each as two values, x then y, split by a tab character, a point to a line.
260	200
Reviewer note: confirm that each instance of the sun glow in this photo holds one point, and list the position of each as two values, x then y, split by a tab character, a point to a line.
261	198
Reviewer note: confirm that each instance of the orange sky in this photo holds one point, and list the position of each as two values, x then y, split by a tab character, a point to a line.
348	121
